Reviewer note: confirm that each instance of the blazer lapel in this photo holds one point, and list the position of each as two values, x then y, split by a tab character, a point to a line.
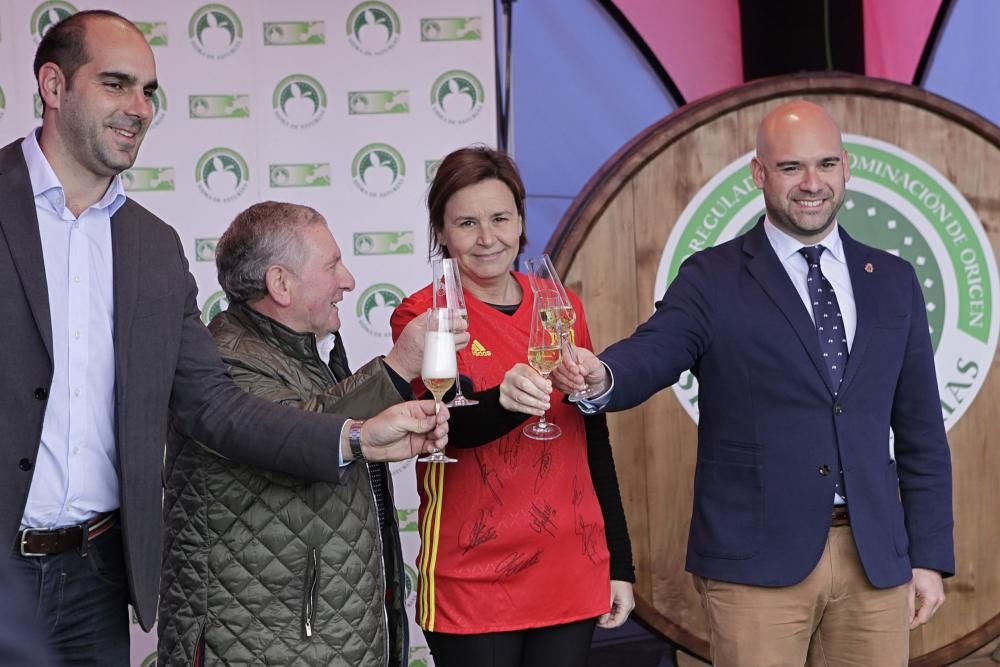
766	268
125	262
19	226
865	302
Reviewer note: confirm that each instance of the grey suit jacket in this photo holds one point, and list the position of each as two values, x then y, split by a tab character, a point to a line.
166	367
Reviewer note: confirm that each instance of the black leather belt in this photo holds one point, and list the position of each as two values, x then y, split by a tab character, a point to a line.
35	542
841	517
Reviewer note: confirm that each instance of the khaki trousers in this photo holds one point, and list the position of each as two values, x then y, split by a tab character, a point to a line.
833	618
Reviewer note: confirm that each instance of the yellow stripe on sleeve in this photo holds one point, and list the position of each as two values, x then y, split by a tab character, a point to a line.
429	539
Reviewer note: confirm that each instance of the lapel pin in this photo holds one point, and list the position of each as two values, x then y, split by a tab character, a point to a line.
869	268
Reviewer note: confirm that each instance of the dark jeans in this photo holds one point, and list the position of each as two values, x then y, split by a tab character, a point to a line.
82	600
566	645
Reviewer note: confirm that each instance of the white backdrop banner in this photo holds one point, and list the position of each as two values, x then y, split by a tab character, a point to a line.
342	105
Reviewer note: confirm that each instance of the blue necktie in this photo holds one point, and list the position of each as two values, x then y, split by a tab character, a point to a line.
826	313
829	330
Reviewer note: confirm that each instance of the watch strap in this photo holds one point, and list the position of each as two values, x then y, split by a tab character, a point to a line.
354	439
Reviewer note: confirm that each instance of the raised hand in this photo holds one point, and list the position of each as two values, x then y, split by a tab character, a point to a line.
524	390
402	431
586	371
407	354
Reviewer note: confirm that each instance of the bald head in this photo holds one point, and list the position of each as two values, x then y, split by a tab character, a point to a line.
796	122
802	168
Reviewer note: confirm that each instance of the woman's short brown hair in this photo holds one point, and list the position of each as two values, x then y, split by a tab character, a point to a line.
465	167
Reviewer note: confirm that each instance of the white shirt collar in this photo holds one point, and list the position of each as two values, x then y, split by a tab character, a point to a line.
325	346
45	183
786	246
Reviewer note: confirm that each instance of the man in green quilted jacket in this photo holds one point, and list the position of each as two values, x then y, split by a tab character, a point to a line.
261	567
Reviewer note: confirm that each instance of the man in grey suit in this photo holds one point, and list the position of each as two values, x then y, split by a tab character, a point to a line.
102	344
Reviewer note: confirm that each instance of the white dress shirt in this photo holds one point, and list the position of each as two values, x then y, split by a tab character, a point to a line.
324	346
76	474
832	263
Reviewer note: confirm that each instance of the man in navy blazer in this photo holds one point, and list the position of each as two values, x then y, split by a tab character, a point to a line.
810	544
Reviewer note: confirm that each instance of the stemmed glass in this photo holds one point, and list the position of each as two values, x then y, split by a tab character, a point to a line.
448	294
439	368
542	276
544	353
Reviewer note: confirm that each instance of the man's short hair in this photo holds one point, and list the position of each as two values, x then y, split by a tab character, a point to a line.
263	235
65	43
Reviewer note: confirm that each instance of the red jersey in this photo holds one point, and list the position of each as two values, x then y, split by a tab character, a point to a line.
511	536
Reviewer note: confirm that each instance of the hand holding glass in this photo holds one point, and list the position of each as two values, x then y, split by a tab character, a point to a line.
544	354
439	368
448	294
543	277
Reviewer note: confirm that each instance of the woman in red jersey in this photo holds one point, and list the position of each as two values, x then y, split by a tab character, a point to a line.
524	546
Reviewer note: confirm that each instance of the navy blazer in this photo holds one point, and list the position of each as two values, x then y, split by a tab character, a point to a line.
769	420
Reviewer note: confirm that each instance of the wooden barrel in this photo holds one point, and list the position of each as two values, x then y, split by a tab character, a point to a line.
664	195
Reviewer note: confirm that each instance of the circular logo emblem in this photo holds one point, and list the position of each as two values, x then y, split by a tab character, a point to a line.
280	176
420	656
214	304
373	28
215	31
222	174
159	106
299	101
378	170
457	97
410	584
896	202
375	306
431	29
47	15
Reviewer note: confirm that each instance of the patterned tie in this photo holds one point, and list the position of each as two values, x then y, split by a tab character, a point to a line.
377	474
826	314
829	329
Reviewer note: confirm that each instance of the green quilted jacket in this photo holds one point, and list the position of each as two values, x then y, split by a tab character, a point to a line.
262	568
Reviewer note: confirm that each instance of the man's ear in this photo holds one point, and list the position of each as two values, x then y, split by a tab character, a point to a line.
277	279
51	85
757	171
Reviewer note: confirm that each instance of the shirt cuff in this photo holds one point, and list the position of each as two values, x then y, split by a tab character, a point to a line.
590	406
340	452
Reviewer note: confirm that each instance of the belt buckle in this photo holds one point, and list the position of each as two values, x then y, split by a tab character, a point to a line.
24	543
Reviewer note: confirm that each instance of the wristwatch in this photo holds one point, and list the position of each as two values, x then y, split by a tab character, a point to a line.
354	439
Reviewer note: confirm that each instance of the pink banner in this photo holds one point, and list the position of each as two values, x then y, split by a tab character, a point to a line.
895	34
698	43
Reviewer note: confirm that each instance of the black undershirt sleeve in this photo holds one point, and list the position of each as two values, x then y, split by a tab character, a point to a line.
605	480
476	425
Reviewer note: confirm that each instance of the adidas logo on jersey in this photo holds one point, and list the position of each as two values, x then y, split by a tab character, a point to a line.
479	351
